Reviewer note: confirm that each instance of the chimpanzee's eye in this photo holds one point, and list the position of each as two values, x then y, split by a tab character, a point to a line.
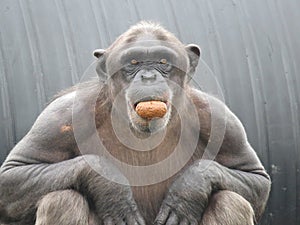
164	66
134	62
163	61
130	69
132	66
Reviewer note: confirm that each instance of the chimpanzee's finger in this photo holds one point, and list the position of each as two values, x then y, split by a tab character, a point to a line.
130	220
173	219
121	222
163	215
139	218
184	221
108	221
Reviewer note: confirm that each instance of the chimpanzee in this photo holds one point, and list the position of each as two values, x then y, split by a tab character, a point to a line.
192	165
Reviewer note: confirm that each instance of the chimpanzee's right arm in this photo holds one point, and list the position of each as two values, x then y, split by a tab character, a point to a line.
46	160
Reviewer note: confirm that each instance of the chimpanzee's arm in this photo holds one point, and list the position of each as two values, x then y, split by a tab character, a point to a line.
236	168
46	160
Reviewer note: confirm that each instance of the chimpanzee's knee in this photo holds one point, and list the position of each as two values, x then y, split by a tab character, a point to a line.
65	207
228	208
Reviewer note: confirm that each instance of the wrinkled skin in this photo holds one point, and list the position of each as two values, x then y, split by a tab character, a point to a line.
46	169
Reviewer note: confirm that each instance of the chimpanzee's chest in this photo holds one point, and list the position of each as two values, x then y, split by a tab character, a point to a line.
166	159
149	199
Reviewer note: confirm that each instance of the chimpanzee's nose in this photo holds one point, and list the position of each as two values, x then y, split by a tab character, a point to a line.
148	75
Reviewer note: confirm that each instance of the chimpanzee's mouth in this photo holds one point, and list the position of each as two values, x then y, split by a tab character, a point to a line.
150	114
151	109
149	100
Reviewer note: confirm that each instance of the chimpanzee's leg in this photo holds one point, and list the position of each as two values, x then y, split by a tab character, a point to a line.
65	207
228	208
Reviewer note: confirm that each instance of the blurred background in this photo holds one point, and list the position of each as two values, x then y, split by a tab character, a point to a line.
252	47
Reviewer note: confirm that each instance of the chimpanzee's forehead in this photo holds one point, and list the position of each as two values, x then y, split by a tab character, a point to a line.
150	36
148	52
148	43
148	48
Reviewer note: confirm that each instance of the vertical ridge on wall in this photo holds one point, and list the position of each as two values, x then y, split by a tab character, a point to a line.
256	71
101	41
105	27
34	54
68	39
172	18
254	68
216	48
289	75
7	134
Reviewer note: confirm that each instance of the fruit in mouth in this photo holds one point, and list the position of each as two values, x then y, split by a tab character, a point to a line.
151	109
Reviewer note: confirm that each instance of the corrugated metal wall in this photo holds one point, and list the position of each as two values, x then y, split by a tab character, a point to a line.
253	47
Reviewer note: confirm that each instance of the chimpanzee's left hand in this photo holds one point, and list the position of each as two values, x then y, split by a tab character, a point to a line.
188	196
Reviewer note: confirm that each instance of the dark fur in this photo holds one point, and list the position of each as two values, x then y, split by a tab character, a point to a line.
45	180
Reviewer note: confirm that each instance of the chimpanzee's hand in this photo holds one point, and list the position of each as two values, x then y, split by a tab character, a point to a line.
188	195
119	206
112	198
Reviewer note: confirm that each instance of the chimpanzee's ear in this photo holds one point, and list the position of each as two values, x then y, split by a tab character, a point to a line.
194	53
101	66
98	53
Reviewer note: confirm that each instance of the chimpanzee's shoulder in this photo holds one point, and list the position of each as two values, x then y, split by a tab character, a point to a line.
65	104
203	100
90	86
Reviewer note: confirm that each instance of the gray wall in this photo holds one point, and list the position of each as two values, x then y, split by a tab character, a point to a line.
253	47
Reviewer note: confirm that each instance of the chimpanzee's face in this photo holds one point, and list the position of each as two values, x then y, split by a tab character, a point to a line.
148	70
